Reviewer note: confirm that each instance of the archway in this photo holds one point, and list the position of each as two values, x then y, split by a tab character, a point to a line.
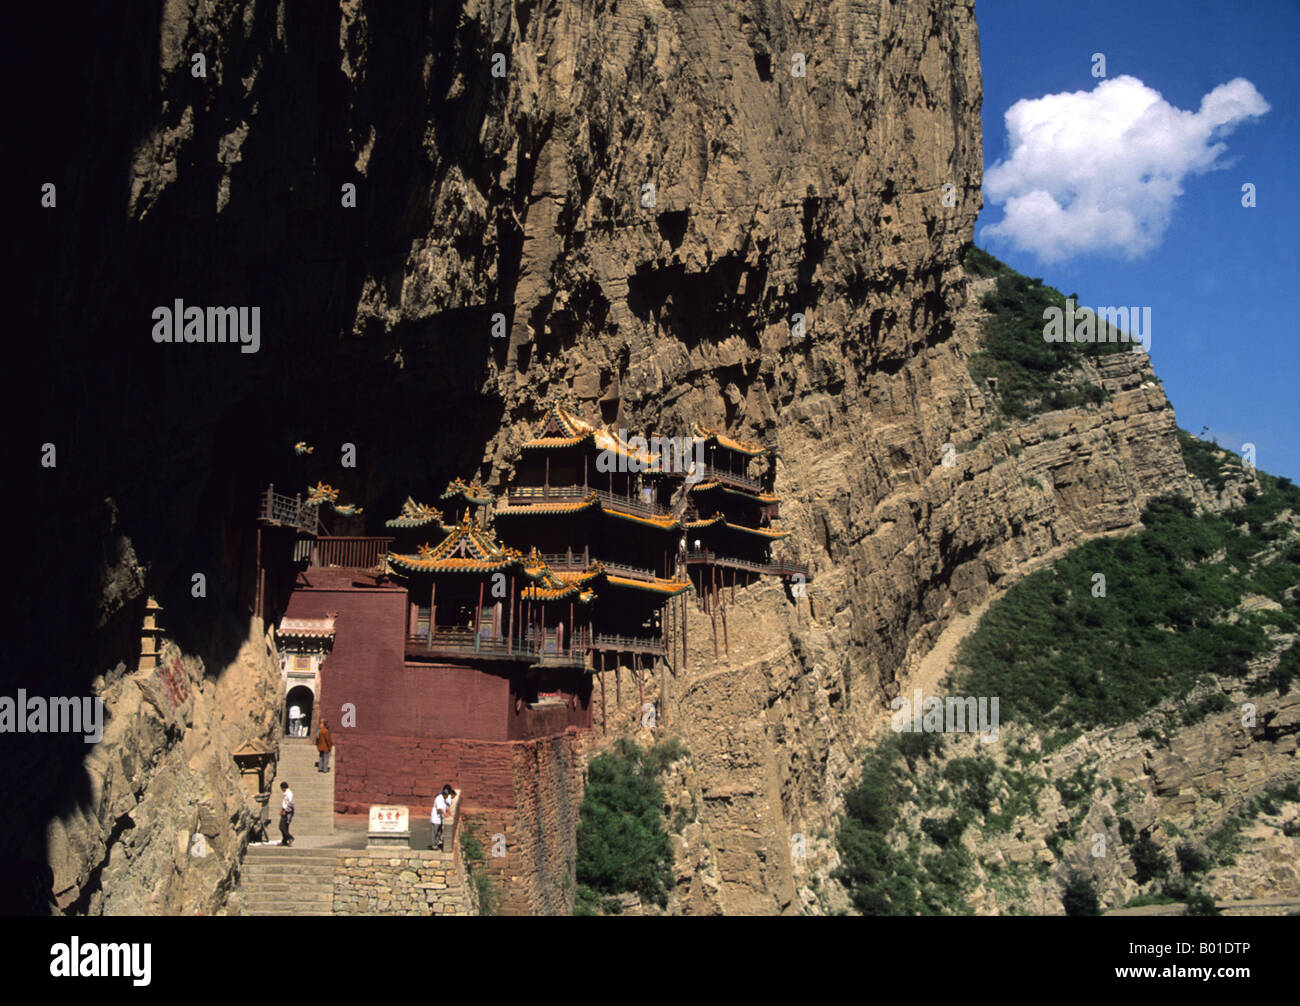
301	697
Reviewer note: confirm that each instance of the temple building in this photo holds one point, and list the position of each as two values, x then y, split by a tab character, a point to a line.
464	644
598	508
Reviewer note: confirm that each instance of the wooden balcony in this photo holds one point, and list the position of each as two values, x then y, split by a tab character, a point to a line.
778	567
349	552
627	644
461	644
523	495
277	510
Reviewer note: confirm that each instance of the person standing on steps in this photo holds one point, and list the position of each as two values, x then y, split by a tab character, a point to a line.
286	814
295	721
441	811
324	745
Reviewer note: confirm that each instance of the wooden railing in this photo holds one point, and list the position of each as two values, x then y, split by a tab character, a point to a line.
567	560
743	481
350	552
626	644
287	511
634	505
780	567
460	642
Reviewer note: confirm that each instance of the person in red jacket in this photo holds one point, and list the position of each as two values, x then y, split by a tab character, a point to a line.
324	745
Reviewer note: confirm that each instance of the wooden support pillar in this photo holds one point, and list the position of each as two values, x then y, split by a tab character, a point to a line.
257	568
713	608
683	632
604	706
433	611
733	586
640	686
726	646
478	611
510	628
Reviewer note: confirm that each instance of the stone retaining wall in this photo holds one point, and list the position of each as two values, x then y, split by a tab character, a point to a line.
379	881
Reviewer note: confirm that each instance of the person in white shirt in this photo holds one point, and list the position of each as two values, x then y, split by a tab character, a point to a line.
286	814
441	812
295	721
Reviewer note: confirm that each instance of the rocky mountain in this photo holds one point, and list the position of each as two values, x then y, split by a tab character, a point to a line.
751	215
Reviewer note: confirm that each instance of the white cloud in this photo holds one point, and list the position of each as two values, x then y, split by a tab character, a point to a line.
1101	170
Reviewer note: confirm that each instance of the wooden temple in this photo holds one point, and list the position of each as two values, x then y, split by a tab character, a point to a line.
483	619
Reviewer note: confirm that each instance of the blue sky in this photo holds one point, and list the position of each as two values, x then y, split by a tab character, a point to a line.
1219	278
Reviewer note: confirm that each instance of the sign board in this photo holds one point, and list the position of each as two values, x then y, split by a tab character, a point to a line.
386	820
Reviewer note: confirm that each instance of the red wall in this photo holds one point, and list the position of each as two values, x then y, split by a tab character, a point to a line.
417	725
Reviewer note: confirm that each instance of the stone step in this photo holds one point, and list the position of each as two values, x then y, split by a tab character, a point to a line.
320	899
264	881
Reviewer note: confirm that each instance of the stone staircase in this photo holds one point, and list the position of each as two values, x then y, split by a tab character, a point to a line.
313	792
290	881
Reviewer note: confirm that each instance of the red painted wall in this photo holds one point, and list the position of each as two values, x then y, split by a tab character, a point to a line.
417	725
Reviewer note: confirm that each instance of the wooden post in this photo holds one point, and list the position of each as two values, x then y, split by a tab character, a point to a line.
640	686
726	645
510	630
257	572
604	707
433	610
478	611
713	607
683	632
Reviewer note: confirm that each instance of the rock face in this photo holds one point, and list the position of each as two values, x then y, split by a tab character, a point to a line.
744	214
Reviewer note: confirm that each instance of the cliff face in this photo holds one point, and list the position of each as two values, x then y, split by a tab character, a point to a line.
648	195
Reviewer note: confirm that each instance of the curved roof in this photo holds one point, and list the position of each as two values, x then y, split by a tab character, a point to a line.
718	518
715	484
416	515
469	548
747	447
471	492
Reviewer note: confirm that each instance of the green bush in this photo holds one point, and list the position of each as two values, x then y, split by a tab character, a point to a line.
623	845
1080	896
1148	859
1191	860
1200	903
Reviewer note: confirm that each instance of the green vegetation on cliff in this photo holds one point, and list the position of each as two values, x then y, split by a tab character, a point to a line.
1065	648
1118	626
1033	375
623	845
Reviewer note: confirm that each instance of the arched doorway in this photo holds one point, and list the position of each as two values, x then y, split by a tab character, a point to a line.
302	698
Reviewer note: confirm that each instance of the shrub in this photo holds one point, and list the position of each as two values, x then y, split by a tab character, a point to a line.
1080	896
1148	859
623	845
1200	903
